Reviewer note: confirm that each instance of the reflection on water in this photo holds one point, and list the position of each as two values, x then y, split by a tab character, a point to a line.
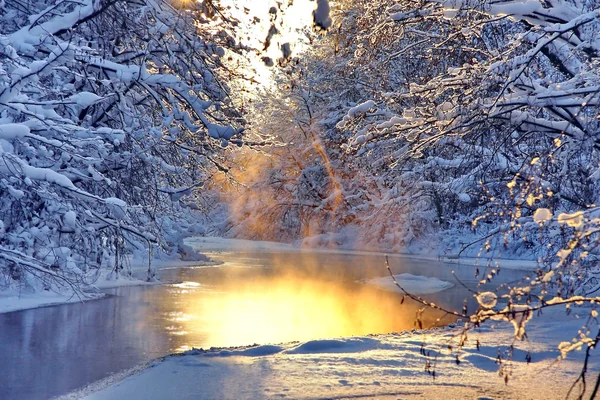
280	308
253	298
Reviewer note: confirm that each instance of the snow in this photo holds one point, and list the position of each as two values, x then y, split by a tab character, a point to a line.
139	265
48	175
385	366
465	198
542	215
13	131
16	193
574	220
117	206
70	218
85	99
361	108
487	299
14	300
395	120
115	202
413	284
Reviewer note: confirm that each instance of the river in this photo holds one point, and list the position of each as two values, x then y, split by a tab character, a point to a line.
253	297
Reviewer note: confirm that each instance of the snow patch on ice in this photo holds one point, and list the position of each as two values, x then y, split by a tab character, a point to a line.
350	345
413	284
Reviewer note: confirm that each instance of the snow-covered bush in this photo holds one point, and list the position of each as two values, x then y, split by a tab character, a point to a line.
111	115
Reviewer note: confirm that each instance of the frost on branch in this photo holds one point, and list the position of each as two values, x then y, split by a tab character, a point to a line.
487	299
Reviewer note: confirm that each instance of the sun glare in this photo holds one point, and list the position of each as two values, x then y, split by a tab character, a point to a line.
247	308
256	20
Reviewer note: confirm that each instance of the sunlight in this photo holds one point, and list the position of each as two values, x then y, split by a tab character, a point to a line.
290	307
292	21
256	19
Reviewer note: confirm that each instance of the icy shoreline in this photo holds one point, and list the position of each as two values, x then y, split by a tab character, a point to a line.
219	244
13	300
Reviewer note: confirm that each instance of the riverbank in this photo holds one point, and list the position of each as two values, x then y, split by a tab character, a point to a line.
18	300
379	366
327	364
219	244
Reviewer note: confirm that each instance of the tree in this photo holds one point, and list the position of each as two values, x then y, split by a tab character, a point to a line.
478	94
113	114
472	123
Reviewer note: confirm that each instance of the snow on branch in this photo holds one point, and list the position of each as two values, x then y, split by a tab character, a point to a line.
98	99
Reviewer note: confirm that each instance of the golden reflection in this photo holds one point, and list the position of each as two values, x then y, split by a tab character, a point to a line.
178	333
287	307
178	317
290	308
186	285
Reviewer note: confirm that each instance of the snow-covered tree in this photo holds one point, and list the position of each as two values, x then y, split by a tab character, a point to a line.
112	115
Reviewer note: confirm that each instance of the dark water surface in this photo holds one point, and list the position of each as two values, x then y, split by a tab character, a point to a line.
251	298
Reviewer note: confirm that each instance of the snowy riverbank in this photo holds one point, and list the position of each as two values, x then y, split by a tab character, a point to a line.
17	300
389	366
382	366
219	244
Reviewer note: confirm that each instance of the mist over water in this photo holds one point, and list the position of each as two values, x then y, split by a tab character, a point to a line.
277	298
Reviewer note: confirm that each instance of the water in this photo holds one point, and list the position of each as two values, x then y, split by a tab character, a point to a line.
251	298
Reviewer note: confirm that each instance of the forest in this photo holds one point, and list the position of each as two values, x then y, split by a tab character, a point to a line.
447	128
